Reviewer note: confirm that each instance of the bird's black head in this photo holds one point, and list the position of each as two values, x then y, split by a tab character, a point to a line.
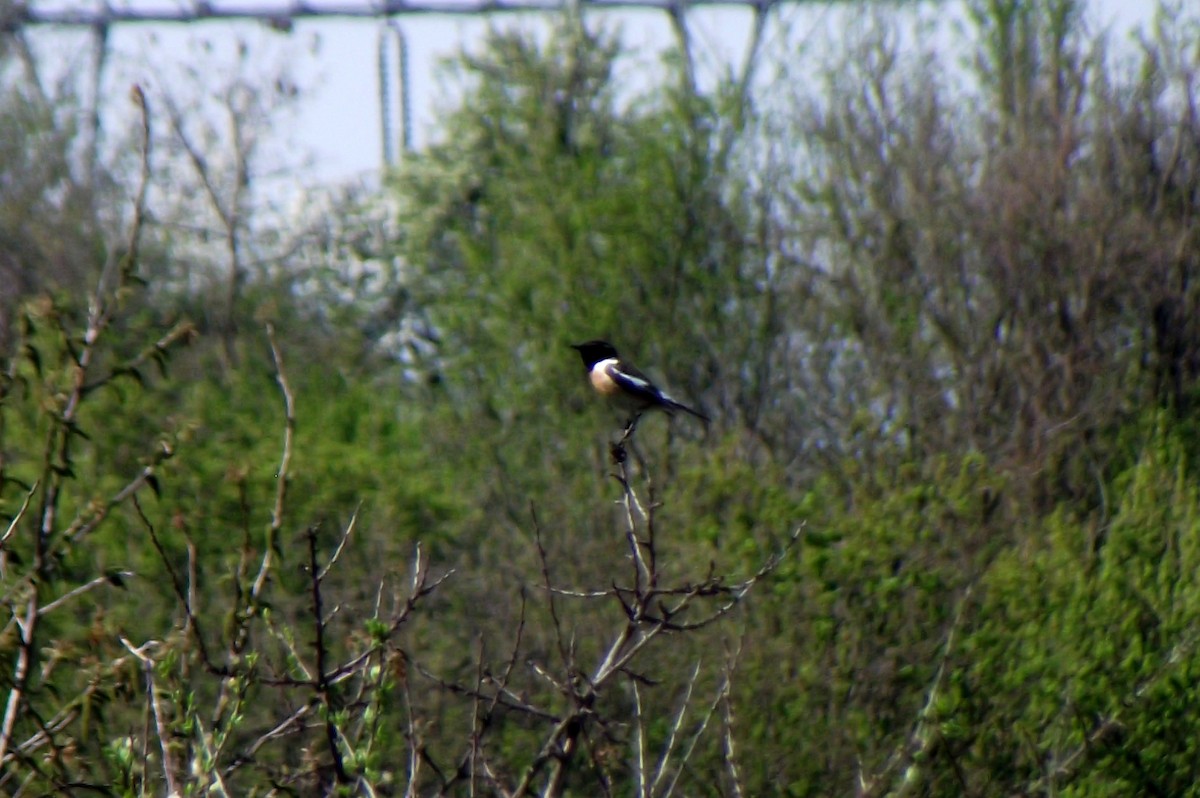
593	352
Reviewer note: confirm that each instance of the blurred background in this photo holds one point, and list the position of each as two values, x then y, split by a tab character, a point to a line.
301	282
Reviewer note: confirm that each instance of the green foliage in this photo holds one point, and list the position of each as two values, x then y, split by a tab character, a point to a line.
50	237
1090	628
552	214
852	639
948	332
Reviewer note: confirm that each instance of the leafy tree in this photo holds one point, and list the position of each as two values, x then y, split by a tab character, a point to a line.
998	267
50	235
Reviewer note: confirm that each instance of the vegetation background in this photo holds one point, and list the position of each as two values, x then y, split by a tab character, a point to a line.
316	502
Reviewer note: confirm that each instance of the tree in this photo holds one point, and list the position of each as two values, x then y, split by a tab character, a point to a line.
49	229
1003	261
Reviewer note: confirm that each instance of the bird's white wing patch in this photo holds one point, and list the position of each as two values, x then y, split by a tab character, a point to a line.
631	382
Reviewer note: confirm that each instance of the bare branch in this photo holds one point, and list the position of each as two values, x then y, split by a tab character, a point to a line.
687	753
665	759
58	453
94	515
413	735
727	738
639	729
168	760
16	519
476	717
332	734
193	624
288	725
642	570
341	544
111	579
563	653
281	475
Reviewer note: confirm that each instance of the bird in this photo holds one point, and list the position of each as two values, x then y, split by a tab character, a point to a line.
622	384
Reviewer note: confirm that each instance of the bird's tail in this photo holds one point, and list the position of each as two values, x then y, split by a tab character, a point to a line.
672	404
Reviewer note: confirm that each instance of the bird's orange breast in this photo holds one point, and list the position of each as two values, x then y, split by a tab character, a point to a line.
602	382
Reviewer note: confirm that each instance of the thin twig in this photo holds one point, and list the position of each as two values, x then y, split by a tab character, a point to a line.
85	523
413	733
16	519
286	726
476	717
695	738
58	455
341	544
193	624
669	747
168	760
324	694
281	475
735	778
639	730
111	579
642	574
568	664
183	332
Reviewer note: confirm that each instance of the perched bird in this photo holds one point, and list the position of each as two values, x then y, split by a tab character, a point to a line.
624	385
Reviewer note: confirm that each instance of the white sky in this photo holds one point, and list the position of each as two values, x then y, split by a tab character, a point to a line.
339	119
